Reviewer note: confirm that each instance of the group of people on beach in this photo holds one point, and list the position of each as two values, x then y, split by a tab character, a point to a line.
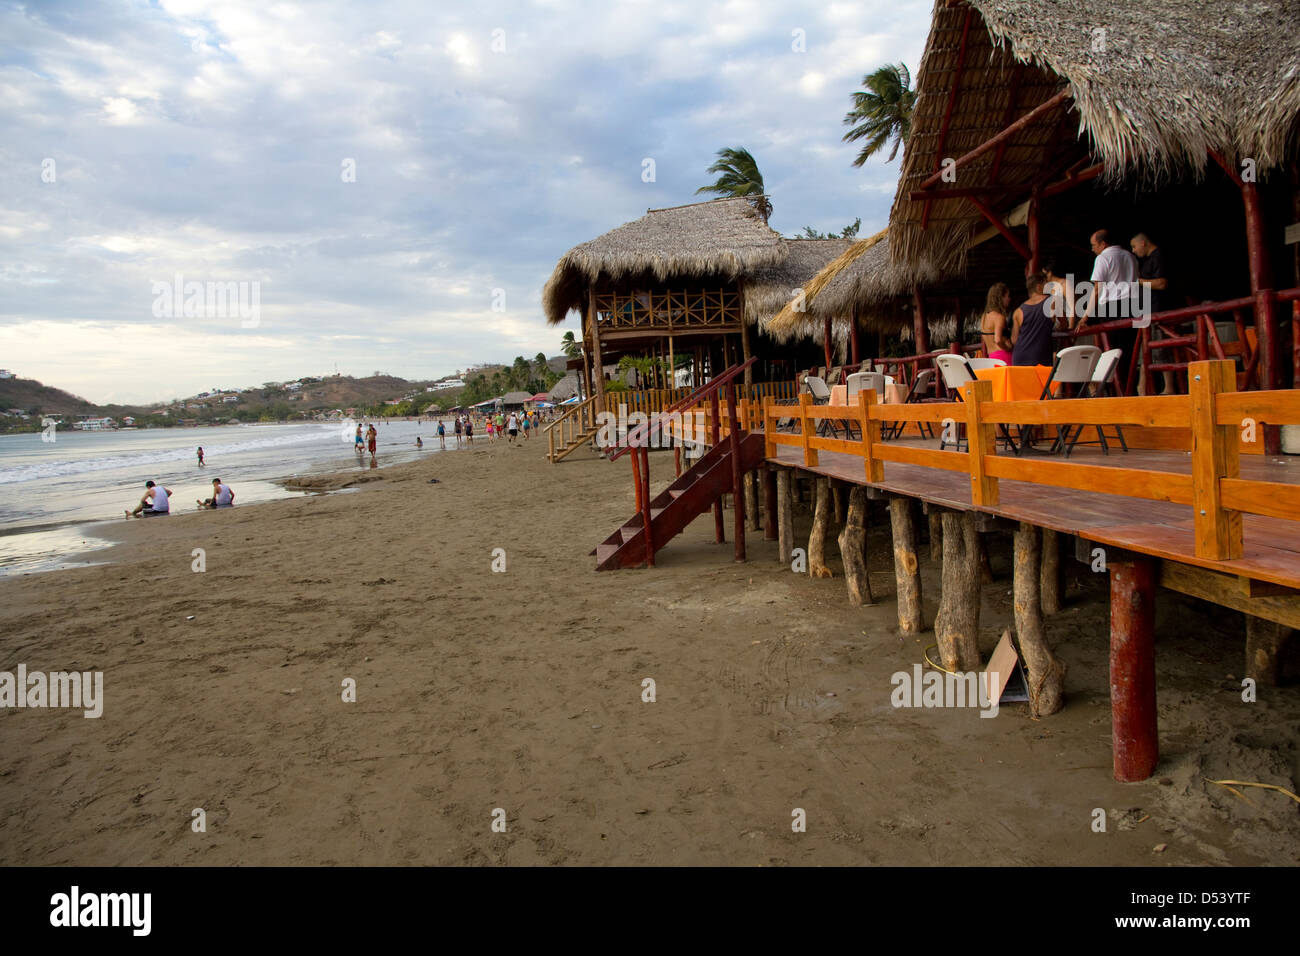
1120	278
157	499
506	425
369	442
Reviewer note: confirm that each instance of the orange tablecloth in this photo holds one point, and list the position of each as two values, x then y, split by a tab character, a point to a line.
893	394
1016	383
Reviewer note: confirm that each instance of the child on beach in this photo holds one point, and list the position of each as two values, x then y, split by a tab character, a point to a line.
200	456
419	442
153	503
527	425
442	434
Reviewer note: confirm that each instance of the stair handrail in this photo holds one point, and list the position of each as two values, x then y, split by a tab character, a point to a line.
569	413
704	391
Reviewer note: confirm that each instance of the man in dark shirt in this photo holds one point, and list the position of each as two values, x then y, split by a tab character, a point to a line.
1152	274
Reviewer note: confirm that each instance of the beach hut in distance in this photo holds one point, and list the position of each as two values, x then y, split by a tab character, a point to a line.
1038	123
700	281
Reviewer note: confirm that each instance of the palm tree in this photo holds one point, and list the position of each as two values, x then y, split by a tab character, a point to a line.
739	177
882	111
569	345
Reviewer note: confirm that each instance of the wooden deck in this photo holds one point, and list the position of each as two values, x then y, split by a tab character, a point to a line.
1159	528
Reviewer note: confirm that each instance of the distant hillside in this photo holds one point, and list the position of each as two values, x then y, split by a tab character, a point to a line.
32	397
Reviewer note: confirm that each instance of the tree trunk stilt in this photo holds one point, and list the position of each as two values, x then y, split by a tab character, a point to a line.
1049	586
769	503
957	624
853	548
936	535
784	519
820	529
907	569
1046	672
1264	641
751	500
986	569
837	491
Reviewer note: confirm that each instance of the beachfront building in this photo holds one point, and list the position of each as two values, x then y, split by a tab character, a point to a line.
687	287
1036	125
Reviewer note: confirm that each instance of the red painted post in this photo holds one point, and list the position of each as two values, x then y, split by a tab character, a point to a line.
920	334
645	504
1035	246
636	480
1261	287
737	490
1133	668
826	341
854	354
718	531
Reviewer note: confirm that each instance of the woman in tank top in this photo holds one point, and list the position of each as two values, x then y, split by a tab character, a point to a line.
993	324
1032	327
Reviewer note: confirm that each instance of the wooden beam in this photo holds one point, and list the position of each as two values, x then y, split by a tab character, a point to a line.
907	569
1038	111
917	195
996	221
1226	590
1072	180
599	369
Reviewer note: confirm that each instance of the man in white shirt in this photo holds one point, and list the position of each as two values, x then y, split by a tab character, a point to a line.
223	496
1114	290
153	503
512	426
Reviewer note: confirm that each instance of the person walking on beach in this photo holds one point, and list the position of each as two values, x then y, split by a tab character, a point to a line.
359	444
442	434
469	430
512	427
527	425
372	439
460	428
153	503
200	456
223	496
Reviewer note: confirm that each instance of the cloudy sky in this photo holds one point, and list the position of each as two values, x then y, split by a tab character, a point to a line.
213	140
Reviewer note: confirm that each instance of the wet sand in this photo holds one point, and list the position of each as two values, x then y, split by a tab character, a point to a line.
523	691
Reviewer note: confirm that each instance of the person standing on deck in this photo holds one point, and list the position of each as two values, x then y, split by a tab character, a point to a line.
993	324
1114	284
1152	274
1032	327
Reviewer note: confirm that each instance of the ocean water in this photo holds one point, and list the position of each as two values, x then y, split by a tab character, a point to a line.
54	495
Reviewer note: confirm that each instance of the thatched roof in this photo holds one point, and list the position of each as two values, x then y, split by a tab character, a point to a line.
722	237
769	290
1153	86
863	277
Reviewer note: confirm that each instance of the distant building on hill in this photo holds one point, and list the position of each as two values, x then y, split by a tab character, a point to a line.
5	373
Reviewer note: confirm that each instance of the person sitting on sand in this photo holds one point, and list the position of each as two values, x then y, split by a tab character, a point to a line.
153	503
223	496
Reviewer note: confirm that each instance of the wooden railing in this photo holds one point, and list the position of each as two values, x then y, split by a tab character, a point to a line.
576	421
1216	412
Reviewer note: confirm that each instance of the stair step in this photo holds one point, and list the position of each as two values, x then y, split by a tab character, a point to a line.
676	492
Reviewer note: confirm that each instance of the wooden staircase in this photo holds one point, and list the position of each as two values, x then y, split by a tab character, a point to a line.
688	497
575	428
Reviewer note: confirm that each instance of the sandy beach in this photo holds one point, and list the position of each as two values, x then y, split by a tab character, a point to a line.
523	691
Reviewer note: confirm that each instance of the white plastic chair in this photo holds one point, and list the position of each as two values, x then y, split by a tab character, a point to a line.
862	382
1103	375
818	389
956	372
1073	366
978	363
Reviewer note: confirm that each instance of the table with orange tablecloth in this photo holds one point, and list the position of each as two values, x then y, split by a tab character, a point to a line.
1016	383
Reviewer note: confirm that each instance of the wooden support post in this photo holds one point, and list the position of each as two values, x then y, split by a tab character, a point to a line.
873	467
737	492
1264	642
769	429
1049	578
853	548
636	478
752	518
981	439
1046	672
1133	667
744	338
714	432
935	521
820	527
1214	456
855	355
840	501
769	503
826	342
956	626
598	365
920	333
1035	246
907	570
784	519
645	504
807	427
677	458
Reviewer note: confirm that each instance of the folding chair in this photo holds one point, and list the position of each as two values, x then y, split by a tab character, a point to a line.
978	363
1073	366
821	396
861	382
1103	377
916	394
956	372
